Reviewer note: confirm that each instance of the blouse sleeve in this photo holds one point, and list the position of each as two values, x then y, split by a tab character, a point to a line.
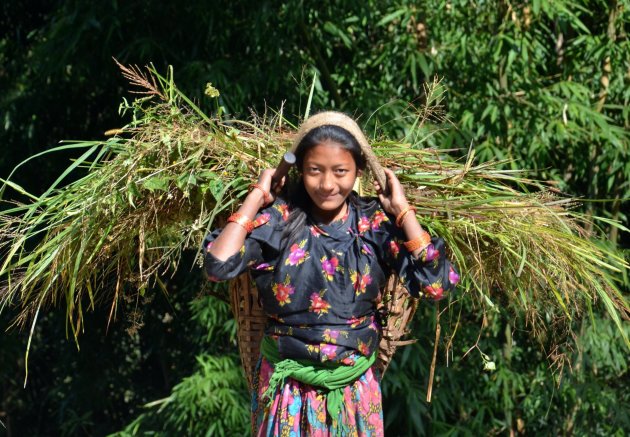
430	276
259	245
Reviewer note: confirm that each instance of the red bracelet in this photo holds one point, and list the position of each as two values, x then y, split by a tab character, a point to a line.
400	218
266	195
418	243
242	220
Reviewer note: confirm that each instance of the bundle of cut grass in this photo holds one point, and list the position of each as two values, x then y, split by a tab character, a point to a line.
161	183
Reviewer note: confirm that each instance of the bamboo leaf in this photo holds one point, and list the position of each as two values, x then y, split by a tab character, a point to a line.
390	17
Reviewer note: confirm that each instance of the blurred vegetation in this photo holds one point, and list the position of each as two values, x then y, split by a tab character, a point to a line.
543	82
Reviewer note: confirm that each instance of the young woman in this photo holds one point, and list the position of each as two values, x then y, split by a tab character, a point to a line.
319	255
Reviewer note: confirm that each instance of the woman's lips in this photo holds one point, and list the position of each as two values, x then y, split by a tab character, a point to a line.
326	196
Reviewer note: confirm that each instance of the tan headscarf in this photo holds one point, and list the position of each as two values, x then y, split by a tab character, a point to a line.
342	120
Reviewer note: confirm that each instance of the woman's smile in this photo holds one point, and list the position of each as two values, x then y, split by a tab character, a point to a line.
326	196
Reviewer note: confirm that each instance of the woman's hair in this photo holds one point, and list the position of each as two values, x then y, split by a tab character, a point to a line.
298	199
329	132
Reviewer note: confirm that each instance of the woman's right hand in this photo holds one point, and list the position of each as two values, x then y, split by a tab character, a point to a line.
233	235
395	201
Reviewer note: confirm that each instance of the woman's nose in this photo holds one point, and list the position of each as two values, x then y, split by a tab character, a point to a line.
327	182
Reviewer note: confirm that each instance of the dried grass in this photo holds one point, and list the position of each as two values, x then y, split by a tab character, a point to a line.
161	183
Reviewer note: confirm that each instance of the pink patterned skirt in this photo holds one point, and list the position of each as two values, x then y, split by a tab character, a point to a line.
299	409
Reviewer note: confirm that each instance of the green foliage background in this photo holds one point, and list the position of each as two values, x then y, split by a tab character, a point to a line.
543	82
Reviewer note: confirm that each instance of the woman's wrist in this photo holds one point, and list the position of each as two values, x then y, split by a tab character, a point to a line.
252	204
411	227
256	197
404	214
267	199
398	208
417	238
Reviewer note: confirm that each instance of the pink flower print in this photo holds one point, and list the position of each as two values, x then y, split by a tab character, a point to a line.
283	292
394	248
378	218
453	277
365	281
364	348
431	253
330	335
361	281
364	224
263	266
209	246
435	290
213	278
297	255
318	304
330	266
284	210
262	219
329	351
354	321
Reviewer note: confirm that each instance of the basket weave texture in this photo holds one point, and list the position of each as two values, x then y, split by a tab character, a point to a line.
397	308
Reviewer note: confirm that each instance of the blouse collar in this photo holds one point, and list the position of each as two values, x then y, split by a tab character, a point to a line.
336	225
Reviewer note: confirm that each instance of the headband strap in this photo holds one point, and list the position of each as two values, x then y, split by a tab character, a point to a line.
331	118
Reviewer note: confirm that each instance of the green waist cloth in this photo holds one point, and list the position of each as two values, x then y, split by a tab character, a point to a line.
331	377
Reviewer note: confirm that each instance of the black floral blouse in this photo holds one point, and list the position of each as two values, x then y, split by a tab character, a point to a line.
320	290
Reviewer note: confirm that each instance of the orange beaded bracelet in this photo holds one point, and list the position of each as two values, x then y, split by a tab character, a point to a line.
242	220
400	218
418	243
266	195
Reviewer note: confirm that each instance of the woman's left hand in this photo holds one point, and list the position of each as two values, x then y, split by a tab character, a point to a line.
395	201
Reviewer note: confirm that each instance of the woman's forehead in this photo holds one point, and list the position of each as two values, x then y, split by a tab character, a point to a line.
329	151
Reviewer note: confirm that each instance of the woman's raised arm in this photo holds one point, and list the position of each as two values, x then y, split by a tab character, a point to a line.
231	239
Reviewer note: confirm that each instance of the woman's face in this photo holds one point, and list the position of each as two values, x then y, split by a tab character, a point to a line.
329	172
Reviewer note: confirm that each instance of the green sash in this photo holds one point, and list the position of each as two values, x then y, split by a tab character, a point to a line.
330	376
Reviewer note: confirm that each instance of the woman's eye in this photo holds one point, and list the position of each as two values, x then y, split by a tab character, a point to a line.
341	171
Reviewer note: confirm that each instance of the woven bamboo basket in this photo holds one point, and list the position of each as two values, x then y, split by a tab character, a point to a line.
396	306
